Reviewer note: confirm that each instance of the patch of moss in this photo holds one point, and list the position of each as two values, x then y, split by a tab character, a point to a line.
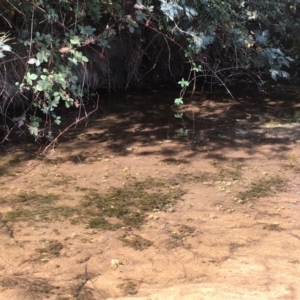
201	176
174	242
40	286
8	283
174	161
37	286
206	177
129	287
292	167
186	230
230	170
127	206
54	161
118	207
84	189
18	215
61	212
261	188
33	206
61	181
3	173
177	237
79	158
272	227
35	199
136	242
52	247
84	293
100	222
14	162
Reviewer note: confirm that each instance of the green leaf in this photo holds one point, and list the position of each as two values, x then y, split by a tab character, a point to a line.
184	83
178	101
33	76
87	30
56	121
33	130
84	59
197	68
131	29
178	116
32	61
43	85
29	77
55	102
69	104
75	40
134	24
73	60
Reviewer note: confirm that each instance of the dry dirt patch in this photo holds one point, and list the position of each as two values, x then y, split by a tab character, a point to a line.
149	214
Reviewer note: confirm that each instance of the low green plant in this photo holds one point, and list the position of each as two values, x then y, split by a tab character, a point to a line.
261	188
128	205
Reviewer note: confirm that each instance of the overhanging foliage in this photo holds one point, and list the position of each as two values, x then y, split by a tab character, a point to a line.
61	50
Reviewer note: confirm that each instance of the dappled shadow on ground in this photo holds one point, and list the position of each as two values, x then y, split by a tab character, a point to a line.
135	123
148	119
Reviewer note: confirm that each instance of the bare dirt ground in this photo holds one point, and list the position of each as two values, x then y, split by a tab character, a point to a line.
140	205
